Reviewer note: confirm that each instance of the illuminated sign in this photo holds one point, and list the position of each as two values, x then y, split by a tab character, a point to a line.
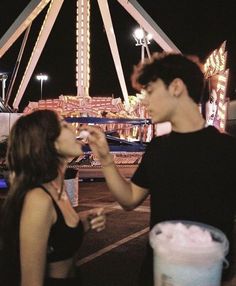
217	75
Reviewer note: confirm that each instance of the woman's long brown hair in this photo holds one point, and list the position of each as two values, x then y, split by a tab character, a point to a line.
32	161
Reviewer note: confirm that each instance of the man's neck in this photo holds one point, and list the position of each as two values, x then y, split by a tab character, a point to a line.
188	120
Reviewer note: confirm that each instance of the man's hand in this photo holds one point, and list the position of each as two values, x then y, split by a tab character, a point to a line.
98	144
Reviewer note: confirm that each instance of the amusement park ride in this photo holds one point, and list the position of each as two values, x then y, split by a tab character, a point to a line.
215	66
25	19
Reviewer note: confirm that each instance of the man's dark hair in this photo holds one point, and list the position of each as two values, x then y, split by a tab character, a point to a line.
167	67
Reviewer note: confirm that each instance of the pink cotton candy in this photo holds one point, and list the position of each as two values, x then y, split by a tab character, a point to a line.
84	134
181	235
187	253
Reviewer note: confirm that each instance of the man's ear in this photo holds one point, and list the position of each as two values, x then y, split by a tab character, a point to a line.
177	87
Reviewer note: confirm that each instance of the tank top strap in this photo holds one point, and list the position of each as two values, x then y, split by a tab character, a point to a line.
53	200
46	190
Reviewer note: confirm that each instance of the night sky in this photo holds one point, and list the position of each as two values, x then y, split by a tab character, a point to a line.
196	27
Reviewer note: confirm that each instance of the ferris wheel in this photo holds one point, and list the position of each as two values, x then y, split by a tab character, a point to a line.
33	9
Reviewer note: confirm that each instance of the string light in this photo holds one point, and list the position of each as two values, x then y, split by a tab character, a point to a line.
83	47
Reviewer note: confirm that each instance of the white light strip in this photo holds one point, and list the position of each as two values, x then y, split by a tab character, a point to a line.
106	16
83	47
46	28
21	24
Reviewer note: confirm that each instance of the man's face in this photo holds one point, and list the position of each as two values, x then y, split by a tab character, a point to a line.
159	101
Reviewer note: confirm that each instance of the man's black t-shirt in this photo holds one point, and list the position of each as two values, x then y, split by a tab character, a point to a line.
191	176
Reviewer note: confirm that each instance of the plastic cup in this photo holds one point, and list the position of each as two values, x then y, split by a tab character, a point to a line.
72	189
183	265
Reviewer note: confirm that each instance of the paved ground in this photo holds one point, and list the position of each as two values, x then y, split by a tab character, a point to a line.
112	257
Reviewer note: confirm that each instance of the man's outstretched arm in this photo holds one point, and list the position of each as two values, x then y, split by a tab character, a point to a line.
125	192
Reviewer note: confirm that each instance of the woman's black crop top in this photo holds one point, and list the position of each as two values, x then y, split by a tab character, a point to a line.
63	240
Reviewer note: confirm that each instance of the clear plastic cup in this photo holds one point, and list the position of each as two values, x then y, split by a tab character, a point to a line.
72	189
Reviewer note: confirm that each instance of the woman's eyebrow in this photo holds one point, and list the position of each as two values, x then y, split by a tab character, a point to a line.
62	120
148	89
147	86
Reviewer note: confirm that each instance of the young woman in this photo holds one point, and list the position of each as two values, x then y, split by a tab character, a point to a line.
40	230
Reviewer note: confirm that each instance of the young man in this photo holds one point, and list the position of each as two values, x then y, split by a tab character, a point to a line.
189	173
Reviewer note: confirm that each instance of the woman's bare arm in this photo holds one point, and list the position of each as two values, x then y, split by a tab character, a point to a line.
36	220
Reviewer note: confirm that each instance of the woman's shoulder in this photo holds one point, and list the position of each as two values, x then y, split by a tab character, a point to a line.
38	193
38	211
38	198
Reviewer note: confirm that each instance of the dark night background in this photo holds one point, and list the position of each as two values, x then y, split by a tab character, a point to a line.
196	27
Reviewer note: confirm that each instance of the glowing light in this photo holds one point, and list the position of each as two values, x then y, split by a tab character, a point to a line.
139	33
42	77
83	47
215	67
149	37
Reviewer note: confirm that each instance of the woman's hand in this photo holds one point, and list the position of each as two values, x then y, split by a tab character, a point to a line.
97	219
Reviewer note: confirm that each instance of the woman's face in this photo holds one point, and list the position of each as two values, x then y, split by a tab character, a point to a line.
66	144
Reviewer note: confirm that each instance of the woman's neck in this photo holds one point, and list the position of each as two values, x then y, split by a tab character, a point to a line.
56	186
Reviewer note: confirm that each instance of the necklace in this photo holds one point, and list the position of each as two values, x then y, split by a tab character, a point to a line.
62	195
61	192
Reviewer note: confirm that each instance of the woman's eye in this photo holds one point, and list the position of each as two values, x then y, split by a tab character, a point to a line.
64	125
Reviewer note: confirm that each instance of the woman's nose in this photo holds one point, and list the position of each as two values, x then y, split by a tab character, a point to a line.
72	128
144	101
